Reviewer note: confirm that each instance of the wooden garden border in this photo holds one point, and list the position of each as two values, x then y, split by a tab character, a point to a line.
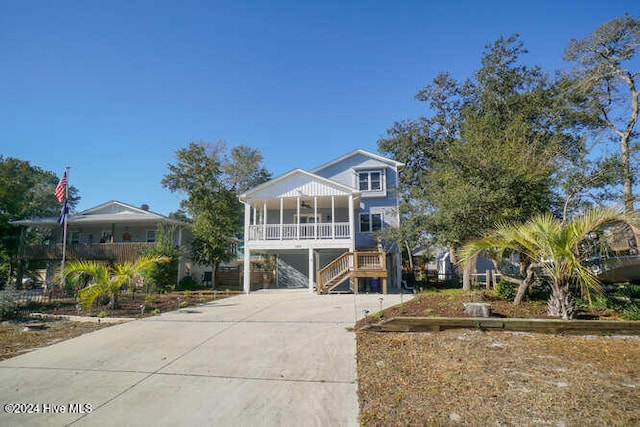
551	326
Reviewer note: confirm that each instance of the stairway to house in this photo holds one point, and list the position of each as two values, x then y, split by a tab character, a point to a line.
353	265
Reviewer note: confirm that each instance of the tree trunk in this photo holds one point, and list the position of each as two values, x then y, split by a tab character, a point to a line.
524	285
466	273
214	269
406	243
561	303
114	299
627	175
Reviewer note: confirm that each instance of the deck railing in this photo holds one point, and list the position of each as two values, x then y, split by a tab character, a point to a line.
117	252
351	264
338	230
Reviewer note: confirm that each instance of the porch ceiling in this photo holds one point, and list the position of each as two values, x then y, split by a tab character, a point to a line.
307	203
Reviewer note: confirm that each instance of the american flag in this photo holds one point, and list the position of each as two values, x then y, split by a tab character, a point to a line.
61	187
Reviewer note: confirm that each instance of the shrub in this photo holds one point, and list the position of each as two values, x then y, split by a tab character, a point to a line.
162	276
628	291
506	290
9	305
631	312
187	283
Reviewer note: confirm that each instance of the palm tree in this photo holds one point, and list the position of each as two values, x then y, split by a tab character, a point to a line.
550	248
103	278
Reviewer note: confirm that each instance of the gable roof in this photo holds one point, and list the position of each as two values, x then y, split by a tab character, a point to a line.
298	182
361	152
109	212
116	211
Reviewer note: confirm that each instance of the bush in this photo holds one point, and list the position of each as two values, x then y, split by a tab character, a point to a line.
631	312
506	290
628	291
9	305
187	283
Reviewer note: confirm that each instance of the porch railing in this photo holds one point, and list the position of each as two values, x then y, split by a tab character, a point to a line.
338	230
118	252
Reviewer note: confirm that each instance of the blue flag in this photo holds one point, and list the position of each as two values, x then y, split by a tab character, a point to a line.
64	210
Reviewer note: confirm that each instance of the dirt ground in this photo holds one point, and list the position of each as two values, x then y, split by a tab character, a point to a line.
15	339
471	377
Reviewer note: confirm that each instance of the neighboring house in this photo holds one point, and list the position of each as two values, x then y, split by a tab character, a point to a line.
323	225
111	232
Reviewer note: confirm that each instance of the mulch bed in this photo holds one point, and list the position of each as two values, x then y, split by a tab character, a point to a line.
15	339
476	377
497	378
129	304
449	303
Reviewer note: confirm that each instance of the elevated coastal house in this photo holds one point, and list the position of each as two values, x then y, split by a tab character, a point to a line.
111	232
323	225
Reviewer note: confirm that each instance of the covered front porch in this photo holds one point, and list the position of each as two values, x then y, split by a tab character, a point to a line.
303	214
300	218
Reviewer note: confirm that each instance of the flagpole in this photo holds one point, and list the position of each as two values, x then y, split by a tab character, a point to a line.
65	206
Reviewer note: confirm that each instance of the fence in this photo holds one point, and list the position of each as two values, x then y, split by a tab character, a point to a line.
25	302
490	277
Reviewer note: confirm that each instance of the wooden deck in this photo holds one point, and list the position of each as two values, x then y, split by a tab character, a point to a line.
353	265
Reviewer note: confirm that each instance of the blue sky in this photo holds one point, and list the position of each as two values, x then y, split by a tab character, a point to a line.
113	88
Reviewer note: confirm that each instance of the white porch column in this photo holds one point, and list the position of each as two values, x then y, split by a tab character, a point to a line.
298	212
315	216
264	216
247	252
281	216
247	223
333	216
352	225
247	270
264	219
311	271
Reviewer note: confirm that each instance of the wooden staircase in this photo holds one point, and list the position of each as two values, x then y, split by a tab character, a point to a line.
353	265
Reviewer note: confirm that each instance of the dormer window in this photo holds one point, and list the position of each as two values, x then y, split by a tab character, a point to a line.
371	182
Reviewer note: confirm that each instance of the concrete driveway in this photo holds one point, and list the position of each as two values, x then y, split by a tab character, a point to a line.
271	358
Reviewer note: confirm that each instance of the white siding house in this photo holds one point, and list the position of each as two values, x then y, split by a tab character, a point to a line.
309	219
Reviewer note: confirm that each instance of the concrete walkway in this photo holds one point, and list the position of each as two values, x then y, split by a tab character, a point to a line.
271	358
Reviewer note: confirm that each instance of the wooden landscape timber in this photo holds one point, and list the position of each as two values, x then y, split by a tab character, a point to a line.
551	326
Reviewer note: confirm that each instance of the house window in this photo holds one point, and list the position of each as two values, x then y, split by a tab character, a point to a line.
151	236
372	180
75	237
308	218
370	222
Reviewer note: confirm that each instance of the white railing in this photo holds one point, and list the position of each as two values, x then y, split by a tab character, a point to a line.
338	230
